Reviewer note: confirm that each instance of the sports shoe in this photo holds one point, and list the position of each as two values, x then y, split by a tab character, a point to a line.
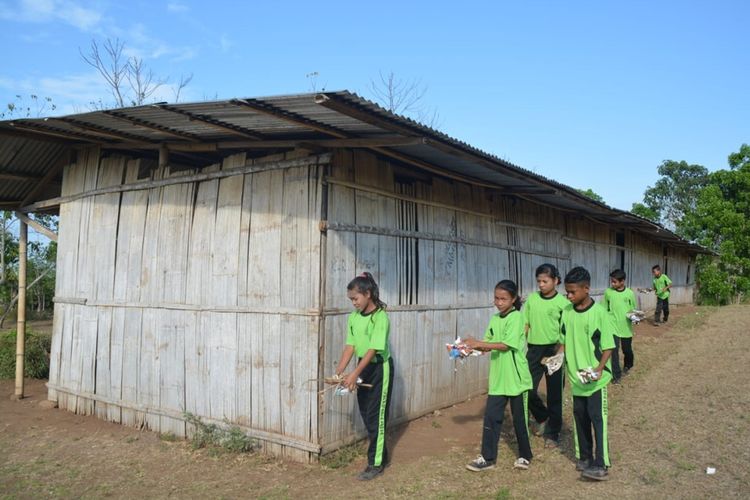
371	472
521	463
616	381
595	473
582	465
479	464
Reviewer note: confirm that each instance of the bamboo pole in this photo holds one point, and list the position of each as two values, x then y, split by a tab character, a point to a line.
21	325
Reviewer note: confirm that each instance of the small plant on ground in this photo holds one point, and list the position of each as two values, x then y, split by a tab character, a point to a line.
230	439
168	436
342	457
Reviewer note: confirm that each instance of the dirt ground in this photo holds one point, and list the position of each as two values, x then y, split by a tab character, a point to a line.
682	409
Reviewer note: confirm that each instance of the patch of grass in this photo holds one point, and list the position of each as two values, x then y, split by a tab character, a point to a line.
436	424
36	357
219	439
686	466
168	436
131	439
280	491
652	476
503	494
342	457
696	320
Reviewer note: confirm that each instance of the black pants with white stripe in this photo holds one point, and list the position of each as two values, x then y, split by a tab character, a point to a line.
374	403
590	414
493	421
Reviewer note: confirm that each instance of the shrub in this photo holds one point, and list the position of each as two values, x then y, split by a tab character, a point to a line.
231	439
38	347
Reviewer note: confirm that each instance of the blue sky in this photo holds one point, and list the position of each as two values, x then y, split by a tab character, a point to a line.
593	94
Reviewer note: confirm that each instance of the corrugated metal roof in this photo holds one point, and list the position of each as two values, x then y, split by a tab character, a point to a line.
32	147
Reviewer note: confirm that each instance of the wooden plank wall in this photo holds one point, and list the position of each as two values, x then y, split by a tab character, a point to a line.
192	297
454	281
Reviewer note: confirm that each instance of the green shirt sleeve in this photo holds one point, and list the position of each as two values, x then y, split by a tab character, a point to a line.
513	332
349	331
607	339
380	328
491	330
525	310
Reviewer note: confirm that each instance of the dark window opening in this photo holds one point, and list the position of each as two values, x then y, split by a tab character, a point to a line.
407	258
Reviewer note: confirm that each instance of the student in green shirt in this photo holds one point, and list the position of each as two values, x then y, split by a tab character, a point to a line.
367	337
586	340
662	284
619	300
509	380
541	312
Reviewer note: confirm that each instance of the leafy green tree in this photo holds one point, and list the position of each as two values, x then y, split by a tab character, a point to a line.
591	194
646	212
720	221
675	193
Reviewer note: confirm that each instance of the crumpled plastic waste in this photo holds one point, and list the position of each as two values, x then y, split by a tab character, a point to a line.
635	316
459	350
587	375
553	363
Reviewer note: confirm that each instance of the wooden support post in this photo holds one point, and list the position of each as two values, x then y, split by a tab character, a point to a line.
163	155
21	325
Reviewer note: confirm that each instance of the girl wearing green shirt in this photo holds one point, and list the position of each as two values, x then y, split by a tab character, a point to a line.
367	337
509	380
542	312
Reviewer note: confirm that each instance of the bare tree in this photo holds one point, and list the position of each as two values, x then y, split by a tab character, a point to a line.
404	97
184	82
130	81
111	66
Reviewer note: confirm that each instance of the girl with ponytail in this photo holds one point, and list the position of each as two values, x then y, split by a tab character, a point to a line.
368	328
509	379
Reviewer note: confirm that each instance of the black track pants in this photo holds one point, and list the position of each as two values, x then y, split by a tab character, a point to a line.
373	406
493	421
590	414
552	411
662	305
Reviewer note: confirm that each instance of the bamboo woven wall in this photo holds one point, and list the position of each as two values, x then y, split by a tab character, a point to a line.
195	297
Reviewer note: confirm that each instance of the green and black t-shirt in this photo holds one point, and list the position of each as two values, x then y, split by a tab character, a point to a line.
618	304
509	370
369	331
542	314
661	283
586	334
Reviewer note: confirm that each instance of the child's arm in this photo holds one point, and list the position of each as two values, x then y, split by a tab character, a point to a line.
602	363
351	380
346	356
480	345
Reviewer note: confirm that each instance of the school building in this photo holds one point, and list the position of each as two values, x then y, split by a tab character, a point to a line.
204	251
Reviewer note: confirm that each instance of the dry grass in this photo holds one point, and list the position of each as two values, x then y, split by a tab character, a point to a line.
680	411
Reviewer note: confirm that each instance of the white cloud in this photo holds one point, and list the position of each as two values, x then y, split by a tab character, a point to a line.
177	7
45	11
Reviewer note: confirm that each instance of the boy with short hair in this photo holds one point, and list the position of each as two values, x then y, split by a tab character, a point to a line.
619	300
662	284
587	341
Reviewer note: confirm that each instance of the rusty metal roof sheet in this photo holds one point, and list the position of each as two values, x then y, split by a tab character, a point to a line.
31	147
